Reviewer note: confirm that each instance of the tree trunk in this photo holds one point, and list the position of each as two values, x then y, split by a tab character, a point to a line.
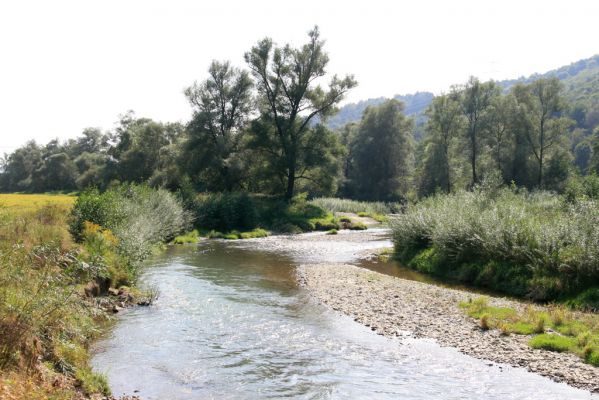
447	168
290	181
473	158
541	169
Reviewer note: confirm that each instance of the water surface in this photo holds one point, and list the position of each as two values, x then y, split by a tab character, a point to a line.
231	323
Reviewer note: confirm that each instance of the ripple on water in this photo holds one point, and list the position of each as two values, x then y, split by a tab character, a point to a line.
231	323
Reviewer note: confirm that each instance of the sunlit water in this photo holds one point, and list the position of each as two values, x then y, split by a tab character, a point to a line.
231	323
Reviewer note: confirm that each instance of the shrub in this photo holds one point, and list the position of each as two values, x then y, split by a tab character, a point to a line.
358	226
332	232
226	211
189	237
587	300
139	217
591	355
552	342
484	322
528	244
366	207
234	235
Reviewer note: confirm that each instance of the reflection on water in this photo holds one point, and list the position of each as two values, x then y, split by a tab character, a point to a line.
231	323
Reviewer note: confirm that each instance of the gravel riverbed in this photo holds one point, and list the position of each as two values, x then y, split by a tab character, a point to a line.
396	307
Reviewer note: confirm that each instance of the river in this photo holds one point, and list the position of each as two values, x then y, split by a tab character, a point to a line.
231	323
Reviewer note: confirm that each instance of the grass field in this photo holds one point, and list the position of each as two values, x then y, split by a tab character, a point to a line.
23	203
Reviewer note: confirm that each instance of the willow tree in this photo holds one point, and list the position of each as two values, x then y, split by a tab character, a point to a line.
291	101
476	98
221	106
444	124
542	116
382	153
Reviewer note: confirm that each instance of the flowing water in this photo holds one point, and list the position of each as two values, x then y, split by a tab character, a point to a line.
231	323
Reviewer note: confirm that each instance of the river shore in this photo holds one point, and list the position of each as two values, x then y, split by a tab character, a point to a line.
396	307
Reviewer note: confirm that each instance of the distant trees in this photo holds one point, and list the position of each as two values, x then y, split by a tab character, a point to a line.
475	99
541	113
445	124
381	154
263	130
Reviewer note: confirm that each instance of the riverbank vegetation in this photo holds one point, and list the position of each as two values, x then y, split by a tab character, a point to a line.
554	329
64	264
530	244
494	185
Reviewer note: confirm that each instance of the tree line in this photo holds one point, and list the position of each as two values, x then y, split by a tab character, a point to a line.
262	129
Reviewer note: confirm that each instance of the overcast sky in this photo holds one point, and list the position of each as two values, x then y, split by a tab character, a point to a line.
66	65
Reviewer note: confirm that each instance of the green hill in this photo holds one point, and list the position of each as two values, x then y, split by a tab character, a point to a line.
581	85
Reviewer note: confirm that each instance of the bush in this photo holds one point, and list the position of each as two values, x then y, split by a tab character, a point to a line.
139	217
358	226
591	355
189	237
552	342
226	211
527	244
587	300
366	208
234	235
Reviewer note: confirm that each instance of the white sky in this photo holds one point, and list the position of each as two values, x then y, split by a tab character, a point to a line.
66	65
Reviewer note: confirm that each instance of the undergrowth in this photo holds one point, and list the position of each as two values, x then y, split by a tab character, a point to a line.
554	329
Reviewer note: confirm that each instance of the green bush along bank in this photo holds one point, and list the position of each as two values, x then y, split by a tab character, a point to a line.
536	245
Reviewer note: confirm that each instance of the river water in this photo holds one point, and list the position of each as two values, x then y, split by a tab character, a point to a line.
231	323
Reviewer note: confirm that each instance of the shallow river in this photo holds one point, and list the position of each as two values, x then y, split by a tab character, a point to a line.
231	323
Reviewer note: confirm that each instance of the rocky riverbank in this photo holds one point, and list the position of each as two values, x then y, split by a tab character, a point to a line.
397	307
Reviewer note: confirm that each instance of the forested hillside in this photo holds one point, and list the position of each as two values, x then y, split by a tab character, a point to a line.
581	88
415	105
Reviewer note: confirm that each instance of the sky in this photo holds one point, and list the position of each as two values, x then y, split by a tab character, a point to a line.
68	65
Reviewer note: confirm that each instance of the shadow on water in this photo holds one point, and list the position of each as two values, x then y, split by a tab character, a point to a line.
231	322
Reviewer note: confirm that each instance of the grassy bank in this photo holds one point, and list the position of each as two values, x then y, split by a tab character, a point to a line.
57	264
534	245
244	216
554	329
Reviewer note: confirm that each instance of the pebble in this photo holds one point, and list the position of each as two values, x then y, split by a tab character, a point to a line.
392	306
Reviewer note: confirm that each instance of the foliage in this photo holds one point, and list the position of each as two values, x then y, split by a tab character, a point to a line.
189	237
358	226
334	205
139	217
574	332
233	235
225	211
528	244
212	151
288	103
551	342
42	316
541	107
386	132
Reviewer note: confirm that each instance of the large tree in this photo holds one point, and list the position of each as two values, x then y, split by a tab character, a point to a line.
382	153
475	98
222	104
444	124
542	118
290	100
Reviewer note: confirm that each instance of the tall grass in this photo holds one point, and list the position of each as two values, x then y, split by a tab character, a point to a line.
332	204
531	244
139	217
42	315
